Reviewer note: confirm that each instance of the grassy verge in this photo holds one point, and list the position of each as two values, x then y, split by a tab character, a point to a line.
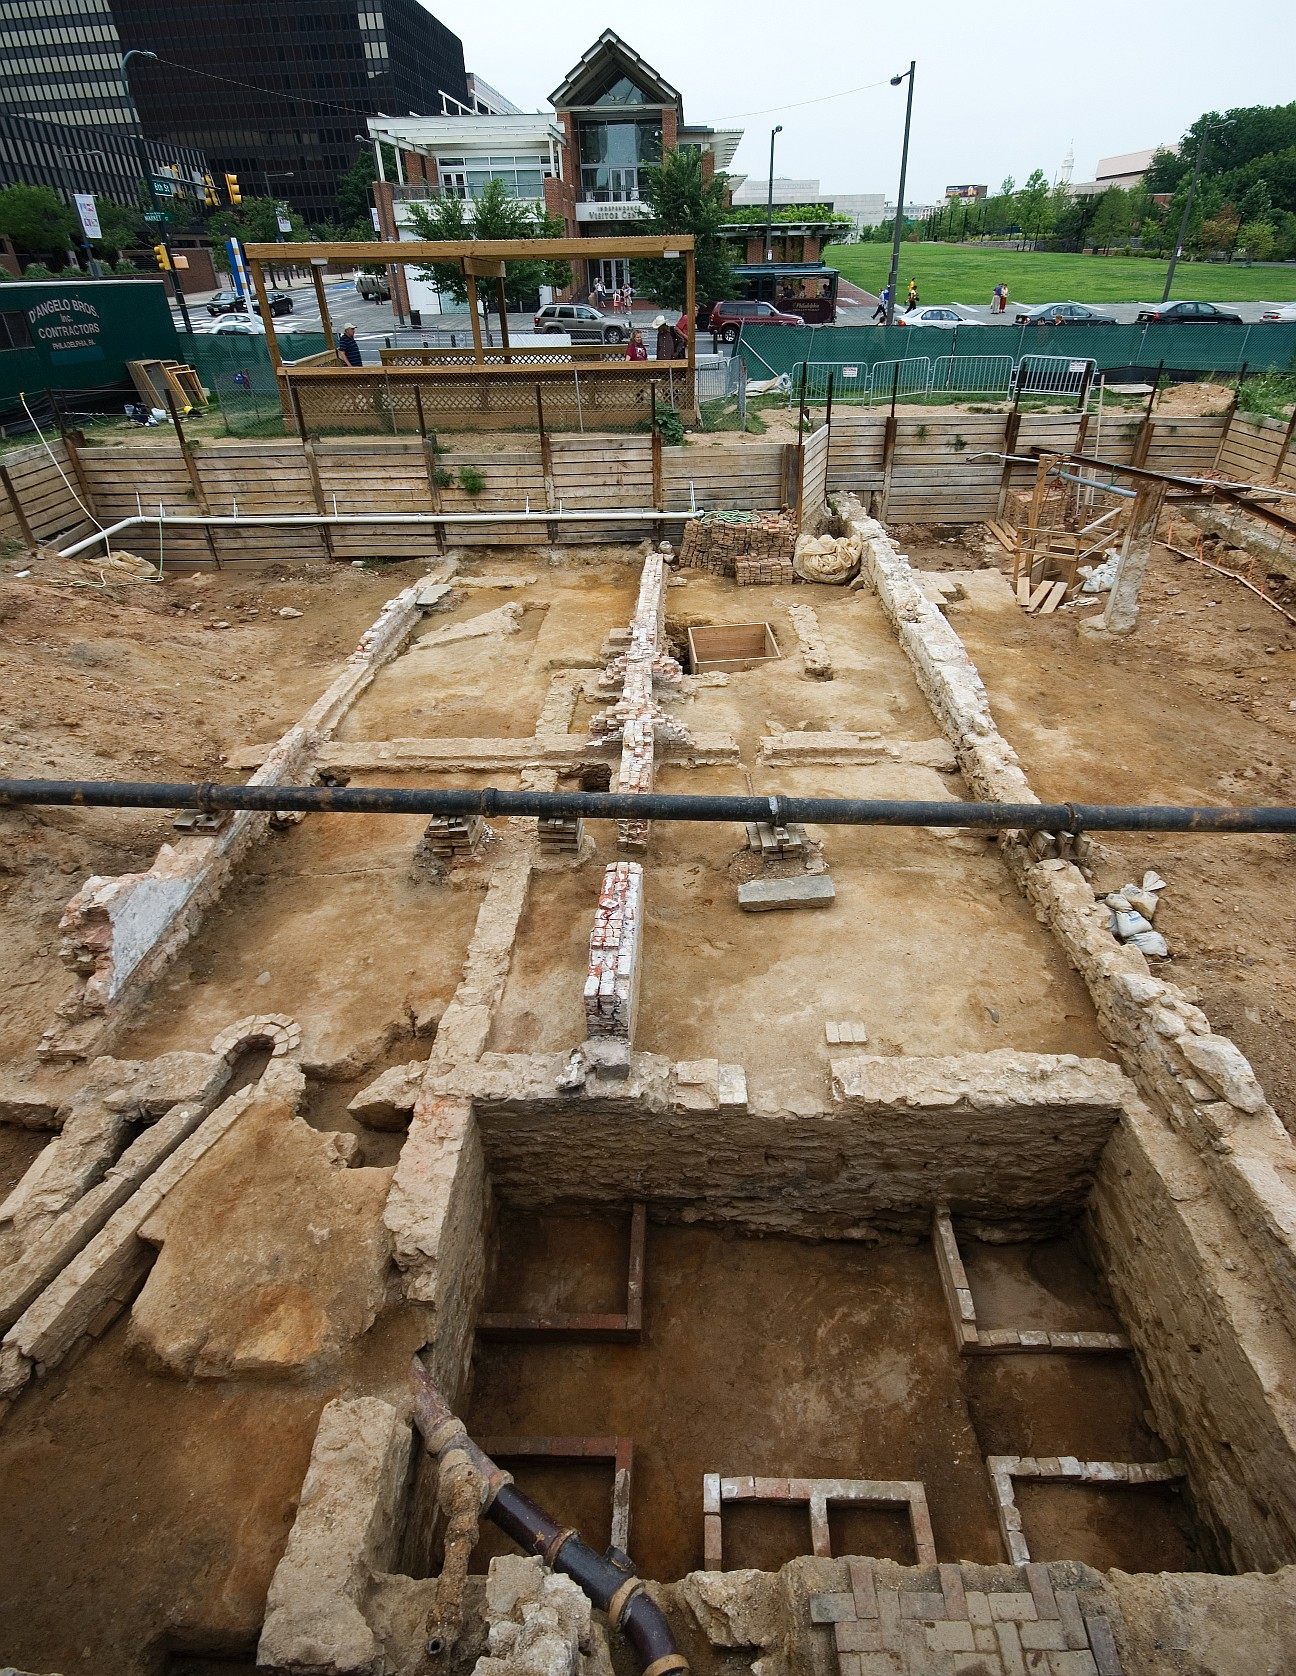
952	273
1271	396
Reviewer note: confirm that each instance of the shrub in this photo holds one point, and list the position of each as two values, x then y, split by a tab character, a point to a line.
670	427
471	480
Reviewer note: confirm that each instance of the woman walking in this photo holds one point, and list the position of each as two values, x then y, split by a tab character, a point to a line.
911	298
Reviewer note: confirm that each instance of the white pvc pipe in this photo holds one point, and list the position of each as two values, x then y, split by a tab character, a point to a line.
647	515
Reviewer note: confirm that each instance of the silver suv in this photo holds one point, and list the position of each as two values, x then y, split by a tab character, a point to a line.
581	322
374	288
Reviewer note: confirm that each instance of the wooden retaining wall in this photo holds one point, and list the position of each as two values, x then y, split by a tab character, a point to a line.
38	497
1254	450
916	468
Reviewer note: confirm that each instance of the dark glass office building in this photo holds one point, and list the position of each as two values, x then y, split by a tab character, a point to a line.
270	91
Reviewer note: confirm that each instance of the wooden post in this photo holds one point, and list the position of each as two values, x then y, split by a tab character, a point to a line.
889	442
195	477
658	465
267	319
326	319
73	453
470	281
690	314
430	466
1286	446
828	412
502	303
546	452
1011	427
24	528
1143	441
1121	613
312	467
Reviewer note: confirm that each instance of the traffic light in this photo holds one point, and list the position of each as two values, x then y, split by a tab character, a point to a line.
163	256
210	195
232	187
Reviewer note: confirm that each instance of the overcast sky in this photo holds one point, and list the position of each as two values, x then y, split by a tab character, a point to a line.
999	90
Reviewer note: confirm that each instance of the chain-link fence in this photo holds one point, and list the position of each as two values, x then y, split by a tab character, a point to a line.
722	392
237	373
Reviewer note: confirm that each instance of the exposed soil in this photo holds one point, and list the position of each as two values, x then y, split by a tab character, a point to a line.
1198	705
135	681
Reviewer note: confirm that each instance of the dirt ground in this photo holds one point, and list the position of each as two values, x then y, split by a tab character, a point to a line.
139	681
785	1358
1197	706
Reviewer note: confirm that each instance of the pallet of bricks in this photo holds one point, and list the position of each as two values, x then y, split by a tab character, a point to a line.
752	547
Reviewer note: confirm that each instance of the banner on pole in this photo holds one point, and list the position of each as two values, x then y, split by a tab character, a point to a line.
238	268
89	214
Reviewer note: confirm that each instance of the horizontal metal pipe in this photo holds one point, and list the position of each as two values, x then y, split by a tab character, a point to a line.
239	520
663	806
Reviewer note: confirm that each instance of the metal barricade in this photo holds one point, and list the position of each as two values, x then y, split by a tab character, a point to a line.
904	379
972	375
1052	375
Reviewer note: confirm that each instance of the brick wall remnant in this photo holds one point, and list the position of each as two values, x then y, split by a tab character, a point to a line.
816	659
616	946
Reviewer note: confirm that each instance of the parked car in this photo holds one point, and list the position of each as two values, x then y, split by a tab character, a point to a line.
728	319
230	302
244	326
374	288
1286	313
582	323
943	315
1188	314
1062	314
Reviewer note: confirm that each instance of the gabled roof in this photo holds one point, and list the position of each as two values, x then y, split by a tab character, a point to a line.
610	52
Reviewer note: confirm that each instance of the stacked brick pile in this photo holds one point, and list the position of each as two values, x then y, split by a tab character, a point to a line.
558	833
451	837
751	546
612	983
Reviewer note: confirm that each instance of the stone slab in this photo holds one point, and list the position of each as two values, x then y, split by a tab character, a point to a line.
763	896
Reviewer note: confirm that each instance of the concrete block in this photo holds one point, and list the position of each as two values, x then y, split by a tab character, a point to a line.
766	895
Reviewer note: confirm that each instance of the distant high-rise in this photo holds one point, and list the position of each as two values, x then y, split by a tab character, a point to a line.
273	94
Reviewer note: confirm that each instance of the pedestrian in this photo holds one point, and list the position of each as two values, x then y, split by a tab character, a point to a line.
879	313
665	338
681	329
348	350
636	349
627	296
600	293
911	298
616	300
1003	298
994	299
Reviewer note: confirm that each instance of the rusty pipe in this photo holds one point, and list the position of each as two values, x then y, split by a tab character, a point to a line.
608	1580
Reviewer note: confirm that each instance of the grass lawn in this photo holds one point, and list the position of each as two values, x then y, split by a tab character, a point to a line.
953	273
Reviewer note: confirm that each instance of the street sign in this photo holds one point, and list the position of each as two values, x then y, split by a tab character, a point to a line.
165	186
85	208
156	215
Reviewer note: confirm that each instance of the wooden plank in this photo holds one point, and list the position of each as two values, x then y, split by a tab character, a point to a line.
1039	595
1023	590
1054	599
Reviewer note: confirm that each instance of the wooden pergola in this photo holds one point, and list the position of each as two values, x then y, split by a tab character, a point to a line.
477	259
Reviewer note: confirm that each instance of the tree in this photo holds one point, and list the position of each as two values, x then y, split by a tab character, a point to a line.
1220	231
1111	219
1255	239
494	215
355	191
124	227
37	220
1250	155
680	200
1033	207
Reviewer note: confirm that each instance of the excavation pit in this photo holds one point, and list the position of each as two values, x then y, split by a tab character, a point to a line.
816	1360
730	647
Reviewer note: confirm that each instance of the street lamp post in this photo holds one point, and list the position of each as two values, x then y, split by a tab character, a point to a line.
899	215
769	200
1206	132
141	148
267	176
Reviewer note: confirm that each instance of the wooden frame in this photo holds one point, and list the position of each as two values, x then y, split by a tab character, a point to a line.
626	1328
477	258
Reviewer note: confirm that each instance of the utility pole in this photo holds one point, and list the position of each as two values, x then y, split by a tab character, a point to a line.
899	215
769	200
141	147
1206	132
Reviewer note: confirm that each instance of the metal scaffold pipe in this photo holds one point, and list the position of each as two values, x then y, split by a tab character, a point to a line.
655	806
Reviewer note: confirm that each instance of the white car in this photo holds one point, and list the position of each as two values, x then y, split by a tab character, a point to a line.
244	326
1286	313
943	315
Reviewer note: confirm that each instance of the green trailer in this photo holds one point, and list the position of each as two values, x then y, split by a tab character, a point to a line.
74	337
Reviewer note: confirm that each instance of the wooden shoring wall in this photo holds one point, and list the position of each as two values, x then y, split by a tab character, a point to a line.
1253	452
37	498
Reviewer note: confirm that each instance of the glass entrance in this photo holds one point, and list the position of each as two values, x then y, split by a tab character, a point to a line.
613	272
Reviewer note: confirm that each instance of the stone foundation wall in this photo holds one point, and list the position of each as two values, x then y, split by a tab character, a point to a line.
1011	1140
616	947
1207	1136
